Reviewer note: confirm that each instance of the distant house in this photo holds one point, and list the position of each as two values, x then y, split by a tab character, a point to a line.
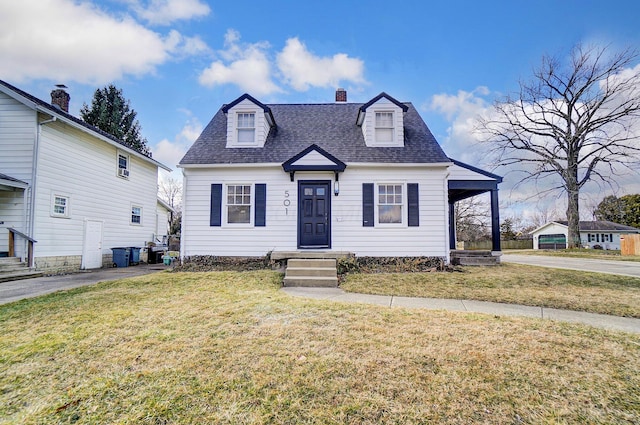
364	178
68	191
605	234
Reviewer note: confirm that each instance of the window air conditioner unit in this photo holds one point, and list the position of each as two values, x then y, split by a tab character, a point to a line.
123	172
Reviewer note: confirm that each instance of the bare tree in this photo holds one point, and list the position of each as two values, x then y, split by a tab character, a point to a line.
170	191
573	121
472	219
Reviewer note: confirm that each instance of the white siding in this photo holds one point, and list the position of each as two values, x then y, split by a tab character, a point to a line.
262	126
369	123
12	214
348	234
17	136
74	164
460	173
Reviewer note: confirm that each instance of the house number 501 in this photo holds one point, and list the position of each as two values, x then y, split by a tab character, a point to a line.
286	202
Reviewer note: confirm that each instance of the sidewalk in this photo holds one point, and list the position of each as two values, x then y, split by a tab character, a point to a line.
603	321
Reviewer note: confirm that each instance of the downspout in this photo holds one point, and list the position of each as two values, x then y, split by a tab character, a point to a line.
34	172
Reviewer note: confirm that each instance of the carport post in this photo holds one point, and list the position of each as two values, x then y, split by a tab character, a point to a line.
495	221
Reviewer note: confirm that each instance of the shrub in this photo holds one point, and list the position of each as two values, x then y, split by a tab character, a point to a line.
389	264
206	263
597	247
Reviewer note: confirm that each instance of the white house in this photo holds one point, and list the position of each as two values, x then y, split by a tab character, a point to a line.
604	234
368	179
68	191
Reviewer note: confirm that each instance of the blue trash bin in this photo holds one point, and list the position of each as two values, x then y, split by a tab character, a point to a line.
121	256
135	255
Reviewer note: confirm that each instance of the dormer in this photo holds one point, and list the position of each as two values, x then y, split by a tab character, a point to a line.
382	121
248	122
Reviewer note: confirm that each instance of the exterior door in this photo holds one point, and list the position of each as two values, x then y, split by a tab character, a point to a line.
314	214
92	252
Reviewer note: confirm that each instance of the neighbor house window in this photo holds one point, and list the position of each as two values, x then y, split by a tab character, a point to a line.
384	127
246	127
123	165
60	206
238	204
136	214
390	203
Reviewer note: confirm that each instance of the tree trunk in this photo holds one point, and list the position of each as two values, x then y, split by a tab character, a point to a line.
573	217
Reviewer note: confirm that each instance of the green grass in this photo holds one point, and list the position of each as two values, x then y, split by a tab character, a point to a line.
230	348
512	283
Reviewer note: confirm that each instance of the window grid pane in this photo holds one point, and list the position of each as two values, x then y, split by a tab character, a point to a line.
60	205
390	203
136	215
239	203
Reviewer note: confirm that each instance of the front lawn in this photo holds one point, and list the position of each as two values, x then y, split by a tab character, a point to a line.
231	348
512	283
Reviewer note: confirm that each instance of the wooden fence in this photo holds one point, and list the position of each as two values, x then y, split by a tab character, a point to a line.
630	244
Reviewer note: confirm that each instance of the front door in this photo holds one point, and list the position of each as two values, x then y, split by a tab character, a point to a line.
314	214
92	252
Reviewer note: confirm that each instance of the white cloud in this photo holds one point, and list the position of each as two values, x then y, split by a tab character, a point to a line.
164	12
461	110
248	67
301	69
170	152
64	40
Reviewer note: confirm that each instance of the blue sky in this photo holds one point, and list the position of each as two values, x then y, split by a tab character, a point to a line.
178	61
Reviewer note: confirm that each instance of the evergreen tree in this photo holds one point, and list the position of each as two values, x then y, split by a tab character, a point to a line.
624	210
112	113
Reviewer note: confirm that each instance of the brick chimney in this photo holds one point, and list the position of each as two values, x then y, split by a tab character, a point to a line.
341	95
60	98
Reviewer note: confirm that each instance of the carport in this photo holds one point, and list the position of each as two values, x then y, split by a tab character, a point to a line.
466	181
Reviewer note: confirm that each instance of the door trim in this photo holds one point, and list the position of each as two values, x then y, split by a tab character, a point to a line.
299	212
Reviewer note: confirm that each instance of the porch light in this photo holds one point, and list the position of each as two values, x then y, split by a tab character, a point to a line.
336	187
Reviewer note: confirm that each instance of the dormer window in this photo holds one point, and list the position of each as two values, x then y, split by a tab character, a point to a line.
384	127
382	121
246	127
248	123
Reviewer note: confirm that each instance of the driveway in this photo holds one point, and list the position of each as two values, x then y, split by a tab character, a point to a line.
27	288
625	268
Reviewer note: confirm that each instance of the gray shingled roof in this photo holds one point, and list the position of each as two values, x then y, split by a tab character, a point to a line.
599	226
330	126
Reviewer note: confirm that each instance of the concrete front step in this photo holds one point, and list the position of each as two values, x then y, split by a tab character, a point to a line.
474	258
311	273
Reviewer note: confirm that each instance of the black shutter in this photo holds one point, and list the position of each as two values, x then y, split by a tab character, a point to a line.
414	208
215	216
261	205
367	205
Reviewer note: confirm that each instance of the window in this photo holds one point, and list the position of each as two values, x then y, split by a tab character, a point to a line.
390	203
123	165
136	214
246	127
238	204
60	206
384	127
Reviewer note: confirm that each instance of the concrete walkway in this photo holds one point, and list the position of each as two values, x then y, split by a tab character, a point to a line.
603	321
624	268
28	288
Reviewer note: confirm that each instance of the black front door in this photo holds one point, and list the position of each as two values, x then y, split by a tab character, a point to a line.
314	214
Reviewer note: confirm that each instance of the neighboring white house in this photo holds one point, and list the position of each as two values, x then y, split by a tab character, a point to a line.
369	179
68	187
604	234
